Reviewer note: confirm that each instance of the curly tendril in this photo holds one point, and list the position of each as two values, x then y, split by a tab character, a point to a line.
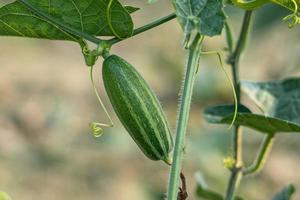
229	80
96	127
91	56
294	18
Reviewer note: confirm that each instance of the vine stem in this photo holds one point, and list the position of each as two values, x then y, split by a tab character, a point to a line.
234	59
186	97
145	27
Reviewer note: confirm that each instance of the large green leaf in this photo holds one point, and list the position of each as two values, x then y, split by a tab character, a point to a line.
285	194
224	114
89	16
279	99
205	16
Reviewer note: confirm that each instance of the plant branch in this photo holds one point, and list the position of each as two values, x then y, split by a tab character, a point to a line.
234	60
187	90
264	151
145	28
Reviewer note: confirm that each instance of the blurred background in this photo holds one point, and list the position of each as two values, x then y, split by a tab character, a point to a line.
46	102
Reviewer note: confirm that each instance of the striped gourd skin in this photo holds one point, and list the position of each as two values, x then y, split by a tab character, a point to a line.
137	107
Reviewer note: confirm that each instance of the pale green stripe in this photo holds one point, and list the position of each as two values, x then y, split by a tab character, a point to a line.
144	133
158	135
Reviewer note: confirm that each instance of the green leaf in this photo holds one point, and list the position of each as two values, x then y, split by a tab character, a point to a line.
223	115
205	16
279	99
285	194
119	20
88	16
131	9
4	196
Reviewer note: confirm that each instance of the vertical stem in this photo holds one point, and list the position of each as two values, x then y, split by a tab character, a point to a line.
236	172
187	91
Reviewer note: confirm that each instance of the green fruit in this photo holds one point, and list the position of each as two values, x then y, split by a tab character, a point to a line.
138	108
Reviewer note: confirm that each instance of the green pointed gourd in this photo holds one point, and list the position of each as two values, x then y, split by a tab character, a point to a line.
138	108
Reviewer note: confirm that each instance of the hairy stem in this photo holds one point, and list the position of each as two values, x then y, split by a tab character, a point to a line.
234	60
187	90
146	27
264	151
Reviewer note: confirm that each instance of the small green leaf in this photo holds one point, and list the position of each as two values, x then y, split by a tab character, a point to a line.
4	196
119	20
205	16
88	16
285	194
224	114
131	9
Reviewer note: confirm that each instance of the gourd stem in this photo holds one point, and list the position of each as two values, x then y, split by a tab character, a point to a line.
264	151
145	27
186	97
234	59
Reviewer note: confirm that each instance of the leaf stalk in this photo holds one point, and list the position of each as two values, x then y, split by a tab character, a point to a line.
144	28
